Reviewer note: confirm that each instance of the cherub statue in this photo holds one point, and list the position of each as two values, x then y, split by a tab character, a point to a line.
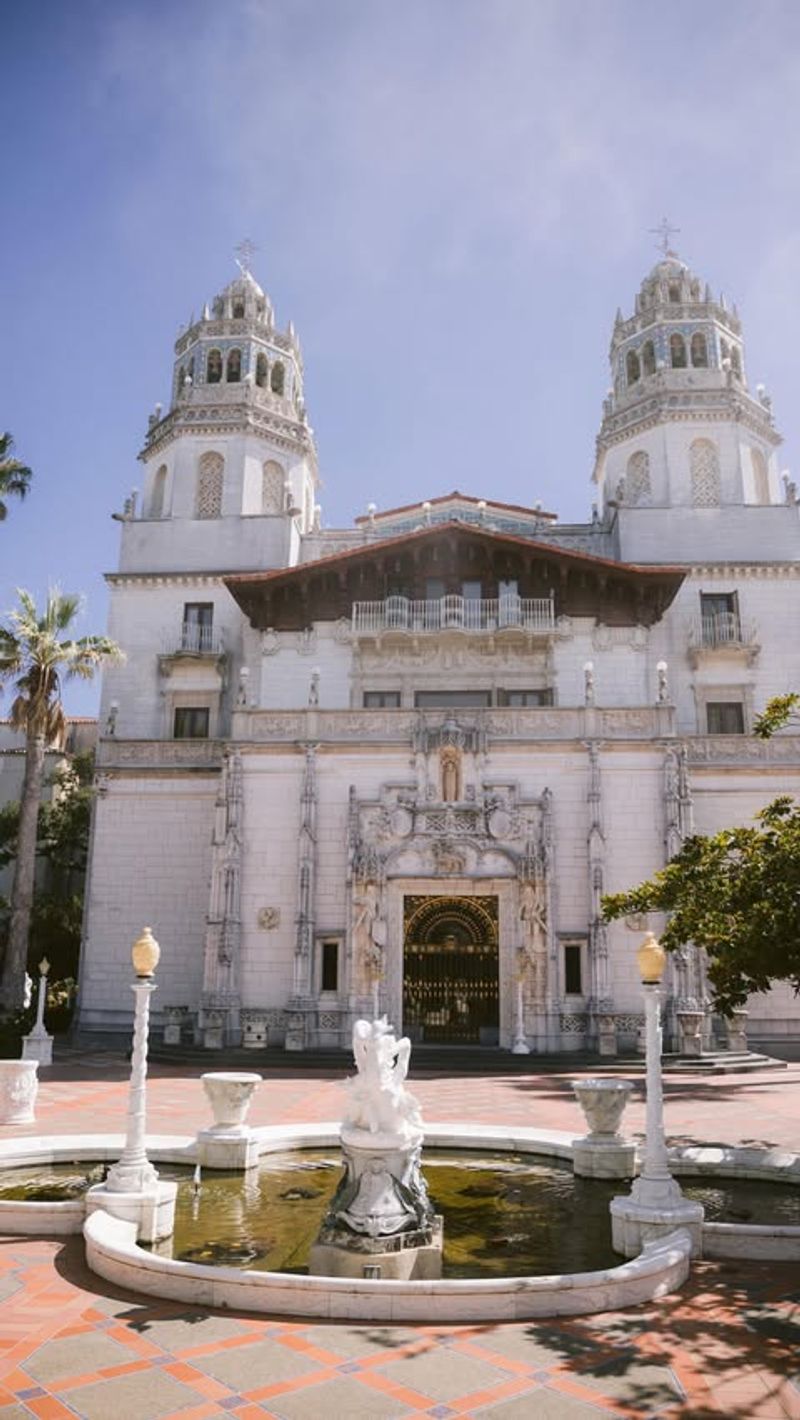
379	1100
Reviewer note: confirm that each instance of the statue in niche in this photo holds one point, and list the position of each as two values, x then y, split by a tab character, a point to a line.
379	1100
369	935
450	762
533	917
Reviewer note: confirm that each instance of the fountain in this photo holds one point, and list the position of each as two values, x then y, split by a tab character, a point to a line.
380	1222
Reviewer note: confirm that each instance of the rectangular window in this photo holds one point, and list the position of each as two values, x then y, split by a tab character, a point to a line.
329	966
434	589
719	615
430	699
725	717
573	969
525	698
381	699
198	620
191	722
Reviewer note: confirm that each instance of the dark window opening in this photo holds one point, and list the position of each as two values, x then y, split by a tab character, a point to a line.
329	976
214	367
233	370
381	699
261	370
648	358
524	697
725	717
632	367
278	378
191	722
238	310
431	699
699	350
573	974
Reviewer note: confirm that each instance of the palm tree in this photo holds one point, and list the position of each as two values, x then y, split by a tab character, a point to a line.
33	653
14	476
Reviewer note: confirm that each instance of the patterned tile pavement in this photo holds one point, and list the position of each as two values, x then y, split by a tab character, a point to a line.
71	1345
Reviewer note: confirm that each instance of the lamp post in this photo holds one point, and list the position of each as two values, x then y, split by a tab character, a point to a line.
656	1204
38	1044
134	1173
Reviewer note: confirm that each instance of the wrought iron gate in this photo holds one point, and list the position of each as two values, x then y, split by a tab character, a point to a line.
450	970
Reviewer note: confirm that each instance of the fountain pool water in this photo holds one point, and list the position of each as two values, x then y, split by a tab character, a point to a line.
506	1214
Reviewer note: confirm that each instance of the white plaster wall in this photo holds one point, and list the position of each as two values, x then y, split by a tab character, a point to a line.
146	618
685	534
150	867
667	446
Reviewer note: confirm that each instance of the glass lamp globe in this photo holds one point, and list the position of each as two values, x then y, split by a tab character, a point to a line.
652	959
145	954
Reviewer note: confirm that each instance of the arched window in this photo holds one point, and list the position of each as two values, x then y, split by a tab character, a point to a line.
210	471
278	378
272	481
213	367
632	367
648	358
760	476
704	474
699	350
677	352
233	367
736	361
157	495
637	479
238	308
262	369
674	295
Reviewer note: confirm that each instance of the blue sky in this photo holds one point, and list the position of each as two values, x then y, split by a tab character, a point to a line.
450	199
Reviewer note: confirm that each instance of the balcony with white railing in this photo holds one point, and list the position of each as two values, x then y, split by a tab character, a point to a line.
194	640
720	632
533	615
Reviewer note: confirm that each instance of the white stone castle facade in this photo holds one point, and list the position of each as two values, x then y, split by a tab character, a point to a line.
396	766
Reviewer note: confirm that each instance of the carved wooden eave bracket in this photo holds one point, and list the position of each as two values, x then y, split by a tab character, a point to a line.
579	583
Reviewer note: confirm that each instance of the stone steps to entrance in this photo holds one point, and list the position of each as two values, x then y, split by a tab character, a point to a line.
464	1060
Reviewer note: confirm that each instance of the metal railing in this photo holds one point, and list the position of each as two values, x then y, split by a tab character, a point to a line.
720	628
200	640
456	612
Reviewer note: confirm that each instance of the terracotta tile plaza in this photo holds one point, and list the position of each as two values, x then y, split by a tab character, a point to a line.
727	1344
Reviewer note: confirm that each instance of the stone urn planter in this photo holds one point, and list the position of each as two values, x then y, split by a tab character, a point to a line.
229	1093
603	1153
228	1143
19	1084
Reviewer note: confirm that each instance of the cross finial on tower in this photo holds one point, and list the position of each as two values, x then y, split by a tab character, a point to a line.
244	254
664	231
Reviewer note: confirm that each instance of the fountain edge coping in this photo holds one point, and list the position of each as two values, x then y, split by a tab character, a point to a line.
113	1253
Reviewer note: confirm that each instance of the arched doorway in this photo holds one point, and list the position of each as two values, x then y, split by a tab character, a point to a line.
450	970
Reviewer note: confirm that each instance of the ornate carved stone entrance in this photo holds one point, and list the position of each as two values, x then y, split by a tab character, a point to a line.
451	970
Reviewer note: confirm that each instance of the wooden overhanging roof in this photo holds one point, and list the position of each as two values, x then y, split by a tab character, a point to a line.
616	593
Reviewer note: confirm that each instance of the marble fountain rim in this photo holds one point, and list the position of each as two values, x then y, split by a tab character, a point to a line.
663	1265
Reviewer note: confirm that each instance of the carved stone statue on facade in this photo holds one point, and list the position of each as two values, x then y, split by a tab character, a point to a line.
533	919
369	936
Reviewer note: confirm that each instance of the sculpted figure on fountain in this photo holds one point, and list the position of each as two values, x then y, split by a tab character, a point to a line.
379	1100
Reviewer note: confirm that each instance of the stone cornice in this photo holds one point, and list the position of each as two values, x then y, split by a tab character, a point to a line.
158	579
218	420
665	409
765	570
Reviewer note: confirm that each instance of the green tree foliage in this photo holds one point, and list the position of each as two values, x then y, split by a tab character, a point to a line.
737	894
36	652
61	850
780	711
15	477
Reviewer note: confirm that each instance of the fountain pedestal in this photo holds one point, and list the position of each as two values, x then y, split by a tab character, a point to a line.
380	1222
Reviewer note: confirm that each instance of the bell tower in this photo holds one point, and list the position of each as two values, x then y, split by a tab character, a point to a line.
681	430
235	442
